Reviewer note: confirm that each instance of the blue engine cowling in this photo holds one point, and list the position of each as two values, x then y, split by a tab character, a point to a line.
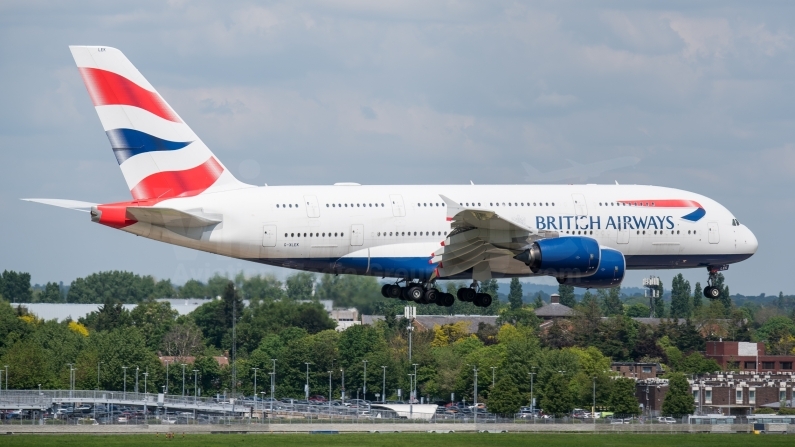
570	257
610	272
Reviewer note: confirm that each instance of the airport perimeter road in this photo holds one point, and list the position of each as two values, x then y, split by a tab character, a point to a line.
383	428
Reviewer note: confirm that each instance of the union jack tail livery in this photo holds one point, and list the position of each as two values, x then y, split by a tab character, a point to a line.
159	155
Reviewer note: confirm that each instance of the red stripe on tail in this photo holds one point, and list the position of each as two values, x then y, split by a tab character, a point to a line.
107	88
187	183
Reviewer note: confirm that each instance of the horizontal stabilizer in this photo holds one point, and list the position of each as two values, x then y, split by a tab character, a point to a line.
169	217
63	203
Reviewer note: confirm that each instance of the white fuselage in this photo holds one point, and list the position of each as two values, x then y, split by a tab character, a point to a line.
380	230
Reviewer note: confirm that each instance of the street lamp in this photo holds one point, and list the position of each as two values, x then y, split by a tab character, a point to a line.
183	379
532	398
125	381
306	387
364	386
255	385
343	385
329	393
136	379
165	390
195	390
6	366
414	392
410	328
383	387
492	375
98	363
146	406
593	406
475	408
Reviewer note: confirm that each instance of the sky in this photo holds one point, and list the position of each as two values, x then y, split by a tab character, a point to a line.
409	92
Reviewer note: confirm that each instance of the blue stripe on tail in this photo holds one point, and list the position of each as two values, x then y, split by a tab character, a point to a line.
128	143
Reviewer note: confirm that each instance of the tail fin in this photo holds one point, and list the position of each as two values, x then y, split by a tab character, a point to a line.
159	155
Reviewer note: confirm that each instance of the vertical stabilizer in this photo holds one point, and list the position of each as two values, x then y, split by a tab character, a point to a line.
159	155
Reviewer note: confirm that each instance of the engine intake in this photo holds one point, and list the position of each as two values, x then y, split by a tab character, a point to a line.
610	273
570	257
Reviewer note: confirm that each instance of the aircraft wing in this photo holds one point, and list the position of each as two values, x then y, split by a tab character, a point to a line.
480	235
170	218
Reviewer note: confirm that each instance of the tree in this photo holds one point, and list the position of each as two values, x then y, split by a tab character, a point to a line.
680	297
515	295
638	310
164	289
193	289
557	335
557	399
505	398
109	316
612	302
266	288
15	286
346	291
115	285
538	300
622	398
678	401
154	319
51	293
697	295
300	286
183	340
659	303
725	297
566	293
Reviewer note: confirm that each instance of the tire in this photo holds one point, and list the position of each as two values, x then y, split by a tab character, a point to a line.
449	300
483	299
712	293
466	294
404	294
385	291
431	296
415	293
394	291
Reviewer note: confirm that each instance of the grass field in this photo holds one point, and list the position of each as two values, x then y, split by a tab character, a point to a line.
400	440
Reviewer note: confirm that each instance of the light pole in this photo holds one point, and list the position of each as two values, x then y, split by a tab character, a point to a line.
414	391
475	408
410	328
165	390
306	387
593	405
183	379
364	387
343	385
6	367
146	406
125	381
136	379
273	385
383	387
532	398
411	401
195	385
195	390
329	393
255	385
492	375
98	363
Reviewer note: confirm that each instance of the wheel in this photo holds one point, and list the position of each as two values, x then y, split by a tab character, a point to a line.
393	291
404	294
485	299
711	292
385	291
448	300
466	294
431	296
415	293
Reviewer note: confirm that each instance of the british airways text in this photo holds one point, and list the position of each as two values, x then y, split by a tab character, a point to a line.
612	222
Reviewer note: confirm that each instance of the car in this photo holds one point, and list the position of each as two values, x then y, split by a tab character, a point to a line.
317	398
666	420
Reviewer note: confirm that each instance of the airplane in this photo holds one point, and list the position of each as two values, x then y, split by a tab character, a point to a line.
584	235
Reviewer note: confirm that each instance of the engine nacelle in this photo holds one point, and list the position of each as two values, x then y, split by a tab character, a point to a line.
570	257
610	272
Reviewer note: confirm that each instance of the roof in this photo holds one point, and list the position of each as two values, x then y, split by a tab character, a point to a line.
554	310
221	360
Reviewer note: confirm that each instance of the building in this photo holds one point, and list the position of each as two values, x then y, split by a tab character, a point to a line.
345	318
749	357
189	359
637	370
554	309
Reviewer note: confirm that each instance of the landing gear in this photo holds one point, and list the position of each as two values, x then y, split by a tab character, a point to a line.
425	293
711	291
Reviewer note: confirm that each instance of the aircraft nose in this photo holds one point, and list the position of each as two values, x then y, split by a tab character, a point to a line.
750	241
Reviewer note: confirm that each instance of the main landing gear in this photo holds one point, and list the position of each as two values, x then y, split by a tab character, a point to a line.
425	293
711	291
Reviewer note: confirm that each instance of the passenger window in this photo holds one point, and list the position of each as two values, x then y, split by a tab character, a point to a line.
277	205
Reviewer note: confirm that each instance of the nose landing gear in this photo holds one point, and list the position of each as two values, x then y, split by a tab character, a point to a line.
711	291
